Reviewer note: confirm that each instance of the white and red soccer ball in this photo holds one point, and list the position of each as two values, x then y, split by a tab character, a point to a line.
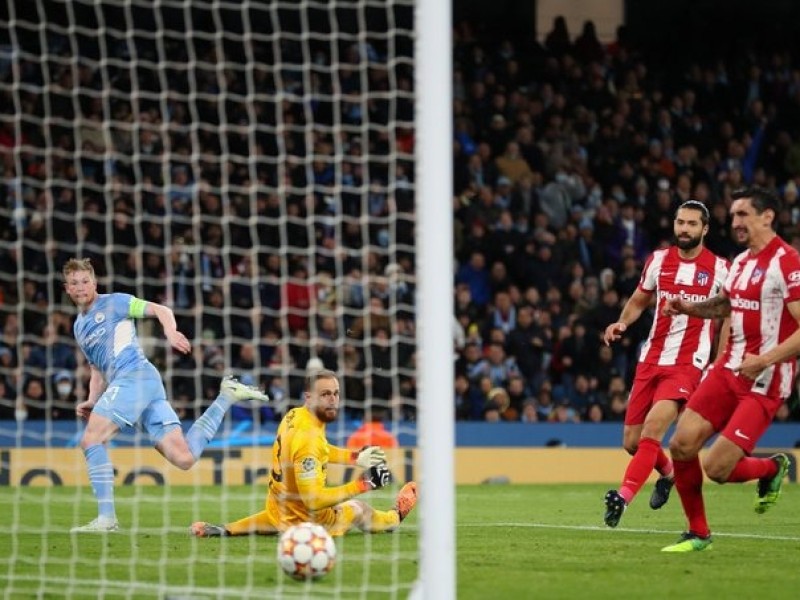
306	551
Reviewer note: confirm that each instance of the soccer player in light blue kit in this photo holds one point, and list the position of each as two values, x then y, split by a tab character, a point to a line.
126	390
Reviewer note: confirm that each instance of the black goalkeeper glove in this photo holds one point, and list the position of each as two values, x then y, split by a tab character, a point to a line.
378	476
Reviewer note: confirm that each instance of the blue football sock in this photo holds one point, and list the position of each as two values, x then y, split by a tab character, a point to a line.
101	475
206	426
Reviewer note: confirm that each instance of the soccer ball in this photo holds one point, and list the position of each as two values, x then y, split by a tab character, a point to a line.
306	551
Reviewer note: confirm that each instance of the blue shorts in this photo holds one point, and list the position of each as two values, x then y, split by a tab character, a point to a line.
138	398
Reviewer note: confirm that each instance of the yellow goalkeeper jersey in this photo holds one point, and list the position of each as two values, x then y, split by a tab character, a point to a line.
300	457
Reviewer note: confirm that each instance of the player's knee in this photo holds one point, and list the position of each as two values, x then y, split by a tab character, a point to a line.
716	471
630	443
679	449
184	461
630	447
357	512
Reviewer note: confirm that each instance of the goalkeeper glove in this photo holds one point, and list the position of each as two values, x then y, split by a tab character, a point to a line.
377	477
370	456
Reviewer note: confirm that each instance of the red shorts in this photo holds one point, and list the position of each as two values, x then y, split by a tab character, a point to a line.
655	382
725	400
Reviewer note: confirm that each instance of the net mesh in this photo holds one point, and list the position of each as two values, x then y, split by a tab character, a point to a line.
249	164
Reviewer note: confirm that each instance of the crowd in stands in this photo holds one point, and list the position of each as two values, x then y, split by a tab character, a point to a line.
570	159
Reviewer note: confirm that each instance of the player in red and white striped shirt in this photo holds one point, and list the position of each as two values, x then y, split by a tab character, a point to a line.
740	396
673	357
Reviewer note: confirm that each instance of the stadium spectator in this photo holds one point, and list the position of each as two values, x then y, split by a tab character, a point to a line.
530	343
64	399
54	353
33	403
529	414
558	41
544	401
372	432
563	412
594	413
588	48
467	403
581	394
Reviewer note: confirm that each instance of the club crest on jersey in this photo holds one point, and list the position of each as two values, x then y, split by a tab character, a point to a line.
756	276
702	277
99	318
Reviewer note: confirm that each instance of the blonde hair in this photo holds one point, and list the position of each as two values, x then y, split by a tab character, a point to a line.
75	265
314	375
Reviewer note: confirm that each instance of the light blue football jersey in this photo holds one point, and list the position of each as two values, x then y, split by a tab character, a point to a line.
106	334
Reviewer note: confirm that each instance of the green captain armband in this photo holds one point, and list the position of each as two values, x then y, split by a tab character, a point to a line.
136	309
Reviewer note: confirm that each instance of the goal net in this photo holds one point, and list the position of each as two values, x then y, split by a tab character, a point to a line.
249	163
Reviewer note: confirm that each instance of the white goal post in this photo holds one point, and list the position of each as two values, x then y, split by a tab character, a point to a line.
435	239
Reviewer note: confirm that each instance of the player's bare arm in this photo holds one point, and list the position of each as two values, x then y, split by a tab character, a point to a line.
718	307
166	317
97	385
724	329
754	364
632	310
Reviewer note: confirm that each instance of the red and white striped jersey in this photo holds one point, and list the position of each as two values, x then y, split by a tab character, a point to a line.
759	287
681	340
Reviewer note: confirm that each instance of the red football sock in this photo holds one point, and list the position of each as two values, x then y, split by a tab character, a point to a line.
639	468
689	483
663	463
749	468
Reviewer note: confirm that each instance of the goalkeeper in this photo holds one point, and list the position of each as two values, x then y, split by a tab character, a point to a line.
297	488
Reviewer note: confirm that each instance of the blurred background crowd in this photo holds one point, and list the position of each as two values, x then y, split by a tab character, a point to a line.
277	218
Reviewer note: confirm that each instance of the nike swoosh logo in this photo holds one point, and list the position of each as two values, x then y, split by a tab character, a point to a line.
683	391
738	433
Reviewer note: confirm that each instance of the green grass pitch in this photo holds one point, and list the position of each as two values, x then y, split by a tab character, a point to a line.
513	541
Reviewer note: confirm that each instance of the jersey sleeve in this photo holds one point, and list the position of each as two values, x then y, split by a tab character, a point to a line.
790	266
722	268
309	460
342	456
648	281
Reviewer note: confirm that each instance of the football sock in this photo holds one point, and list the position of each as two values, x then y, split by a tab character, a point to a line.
383	520
206	426
749	468
639	468
663	463
357	514
689	483
101	476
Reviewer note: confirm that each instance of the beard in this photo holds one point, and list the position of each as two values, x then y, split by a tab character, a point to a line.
326	414
689	243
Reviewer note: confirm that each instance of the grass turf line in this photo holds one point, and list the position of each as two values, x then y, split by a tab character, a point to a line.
543	541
